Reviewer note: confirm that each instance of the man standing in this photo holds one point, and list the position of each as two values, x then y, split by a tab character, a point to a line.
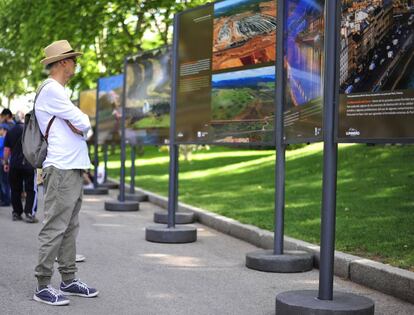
67	158
4	177
20	173
6	117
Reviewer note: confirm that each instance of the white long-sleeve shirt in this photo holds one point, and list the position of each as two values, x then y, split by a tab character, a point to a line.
66	150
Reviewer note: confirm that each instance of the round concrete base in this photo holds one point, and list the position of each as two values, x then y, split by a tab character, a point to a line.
306	302
109	185
290	261
121	206
135	197
95	191
174	235
180	217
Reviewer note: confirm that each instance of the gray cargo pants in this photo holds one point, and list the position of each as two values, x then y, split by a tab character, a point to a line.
63	190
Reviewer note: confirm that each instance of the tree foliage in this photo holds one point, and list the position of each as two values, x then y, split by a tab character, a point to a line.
106	31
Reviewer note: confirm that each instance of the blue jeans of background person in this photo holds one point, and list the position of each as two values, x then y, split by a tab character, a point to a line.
4	187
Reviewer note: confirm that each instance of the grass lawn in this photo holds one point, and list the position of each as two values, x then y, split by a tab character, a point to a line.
375	201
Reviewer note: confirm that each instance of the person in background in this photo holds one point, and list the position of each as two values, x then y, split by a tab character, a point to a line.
4	178
6	117
21	173
87	181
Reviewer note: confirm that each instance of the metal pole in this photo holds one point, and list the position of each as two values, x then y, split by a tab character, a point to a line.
106	162
330	149
280	147
174	149
132	184
96	159
172	185
123	151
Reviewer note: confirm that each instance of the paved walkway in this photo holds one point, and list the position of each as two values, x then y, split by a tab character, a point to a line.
137	277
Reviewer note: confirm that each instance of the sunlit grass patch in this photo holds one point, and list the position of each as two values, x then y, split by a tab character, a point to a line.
375	201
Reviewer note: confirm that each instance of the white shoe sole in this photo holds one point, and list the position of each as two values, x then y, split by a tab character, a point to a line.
50	303
79	294
79	258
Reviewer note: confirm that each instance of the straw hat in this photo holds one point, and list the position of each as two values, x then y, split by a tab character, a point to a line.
59	50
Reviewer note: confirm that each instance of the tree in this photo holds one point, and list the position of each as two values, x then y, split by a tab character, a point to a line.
106	31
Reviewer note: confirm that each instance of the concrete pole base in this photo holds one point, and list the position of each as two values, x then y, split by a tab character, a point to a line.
306	302
180	217
135	197
109	185
289	262
121	205
95	191
173	235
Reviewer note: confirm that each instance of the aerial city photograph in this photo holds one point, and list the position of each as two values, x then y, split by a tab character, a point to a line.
376	46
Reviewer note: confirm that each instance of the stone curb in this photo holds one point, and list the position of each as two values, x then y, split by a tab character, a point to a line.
390	280
384	278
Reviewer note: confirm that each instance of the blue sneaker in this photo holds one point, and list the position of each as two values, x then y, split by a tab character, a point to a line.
51	296
78	288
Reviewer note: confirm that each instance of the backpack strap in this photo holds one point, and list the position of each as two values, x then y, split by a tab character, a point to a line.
34	103
48	127
39	89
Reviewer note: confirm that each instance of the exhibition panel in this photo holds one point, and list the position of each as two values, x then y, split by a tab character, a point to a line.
148	96
226	73
304	70
376	57
108	109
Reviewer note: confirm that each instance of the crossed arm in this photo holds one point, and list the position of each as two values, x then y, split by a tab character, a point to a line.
59	105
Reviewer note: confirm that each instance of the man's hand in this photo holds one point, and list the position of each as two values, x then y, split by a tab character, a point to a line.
77	131
5	161
89	134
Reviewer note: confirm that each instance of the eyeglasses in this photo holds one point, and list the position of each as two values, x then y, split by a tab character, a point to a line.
73	59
